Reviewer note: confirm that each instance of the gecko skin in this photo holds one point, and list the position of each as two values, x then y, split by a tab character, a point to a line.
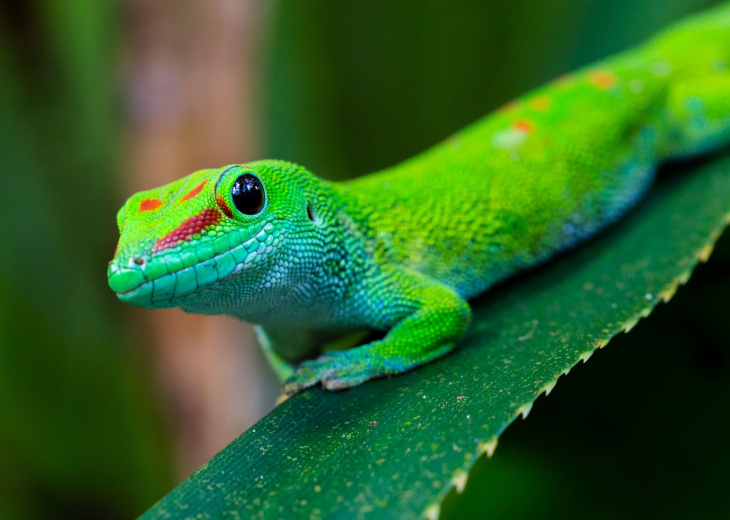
402	250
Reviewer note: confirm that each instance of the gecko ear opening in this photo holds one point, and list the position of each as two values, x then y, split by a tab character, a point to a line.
312	214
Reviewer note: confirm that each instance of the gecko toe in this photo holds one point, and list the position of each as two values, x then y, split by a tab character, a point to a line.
297	383
309	373
336	380
335	370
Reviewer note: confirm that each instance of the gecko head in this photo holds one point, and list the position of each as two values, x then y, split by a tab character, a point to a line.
219	239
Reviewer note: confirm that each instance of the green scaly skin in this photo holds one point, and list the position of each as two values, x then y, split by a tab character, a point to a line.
401	250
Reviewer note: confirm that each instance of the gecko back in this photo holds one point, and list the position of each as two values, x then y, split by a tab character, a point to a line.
550	169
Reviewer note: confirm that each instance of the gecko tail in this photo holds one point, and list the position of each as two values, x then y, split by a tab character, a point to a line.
714	19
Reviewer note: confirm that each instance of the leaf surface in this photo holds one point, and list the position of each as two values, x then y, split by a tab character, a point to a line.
395	447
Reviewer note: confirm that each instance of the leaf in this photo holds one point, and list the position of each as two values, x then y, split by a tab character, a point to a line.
638	428
395	447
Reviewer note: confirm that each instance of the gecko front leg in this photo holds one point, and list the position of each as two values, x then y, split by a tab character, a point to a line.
285	346
424	320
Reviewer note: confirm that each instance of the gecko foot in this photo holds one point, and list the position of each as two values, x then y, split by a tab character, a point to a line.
333	370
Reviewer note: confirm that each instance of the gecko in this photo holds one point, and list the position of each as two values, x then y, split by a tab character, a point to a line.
402	250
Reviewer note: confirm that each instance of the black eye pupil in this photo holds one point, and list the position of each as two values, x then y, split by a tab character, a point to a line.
248	194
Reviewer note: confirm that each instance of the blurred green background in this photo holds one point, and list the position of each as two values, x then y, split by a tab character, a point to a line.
345	88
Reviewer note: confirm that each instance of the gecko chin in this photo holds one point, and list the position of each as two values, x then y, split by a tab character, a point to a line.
144	296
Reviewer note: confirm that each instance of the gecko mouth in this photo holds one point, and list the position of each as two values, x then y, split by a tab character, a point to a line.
163	280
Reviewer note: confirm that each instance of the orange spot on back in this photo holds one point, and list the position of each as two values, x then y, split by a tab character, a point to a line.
508	107
149	204
563	80
194	192
541	103
524	125
603	79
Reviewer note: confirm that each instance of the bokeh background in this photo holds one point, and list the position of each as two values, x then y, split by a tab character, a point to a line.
104	408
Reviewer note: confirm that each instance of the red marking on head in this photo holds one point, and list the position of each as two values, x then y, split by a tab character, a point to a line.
524	125
603	79
194	192
116	251
223	205
189	227
149	204
541	103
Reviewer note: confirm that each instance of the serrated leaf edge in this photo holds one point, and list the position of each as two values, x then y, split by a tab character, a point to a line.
460	476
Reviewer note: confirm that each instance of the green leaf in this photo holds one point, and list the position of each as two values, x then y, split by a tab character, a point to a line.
395	447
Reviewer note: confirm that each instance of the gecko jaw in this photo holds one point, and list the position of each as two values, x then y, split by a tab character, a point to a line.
159	281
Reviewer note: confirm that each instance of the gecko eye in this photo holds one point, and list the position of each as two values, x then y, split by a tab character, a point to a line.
248	194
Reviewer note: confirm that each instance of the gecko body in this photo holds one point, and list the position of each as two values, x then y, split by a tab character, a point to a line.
402	250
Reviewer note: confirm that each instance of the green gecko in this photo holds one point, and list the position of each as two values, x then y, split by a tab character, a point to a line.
402	250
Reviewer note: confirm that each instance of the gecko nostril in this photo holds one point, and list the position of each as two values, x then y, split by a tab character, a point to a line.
139	260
